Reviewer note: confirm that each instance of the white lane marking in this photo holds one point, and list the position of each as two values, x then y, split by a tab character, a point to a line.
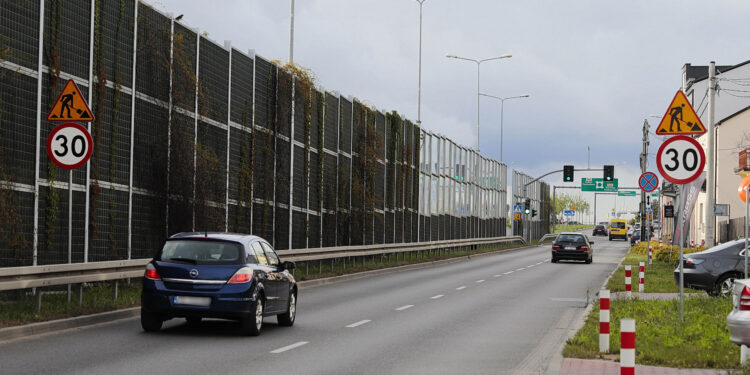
480	281
437	296
508	273
462	287
540	262
530	266
497	276
402	308
521	269
289	347
359	323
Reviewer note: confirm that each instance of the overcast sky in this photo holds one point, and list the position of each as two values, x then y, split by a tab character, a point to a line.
594	69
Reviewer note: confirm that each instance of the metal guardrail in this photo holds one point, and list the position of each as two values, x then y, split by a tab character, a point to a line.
13	278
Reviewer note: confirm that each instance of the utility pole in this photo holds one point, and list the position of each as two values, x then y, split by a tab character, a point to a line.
291	33
644	164
711	183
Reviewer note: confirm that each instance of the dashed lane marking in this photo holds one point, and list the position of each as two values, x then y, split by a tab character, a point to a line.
462	287
437	296
289	347
480	281
496	275
521	269
529	266
402	308
359	323
508	273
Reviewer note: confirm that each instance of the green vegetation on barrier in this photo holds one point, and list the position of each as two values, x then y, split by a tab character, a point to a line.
571	228
701	341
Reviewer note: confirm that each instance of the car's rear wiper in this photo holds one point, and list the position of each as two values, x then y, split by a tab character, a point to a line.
186	260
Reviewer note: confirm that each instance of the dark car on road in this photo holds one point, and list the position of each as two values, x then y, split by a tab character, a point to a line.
714	269
218	275
599	230
572	246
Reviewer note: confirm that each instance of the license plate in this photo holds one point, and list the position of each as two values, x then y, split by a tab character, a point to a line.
192	301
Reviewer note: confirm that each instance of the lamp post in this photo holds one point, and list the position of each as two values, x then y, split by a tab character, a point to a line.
419	91
291	33
478	62
502	105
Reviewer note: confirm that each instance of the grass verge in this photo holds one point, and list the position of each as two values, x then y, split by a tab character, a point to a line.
17	307
659	277
570	228
662	339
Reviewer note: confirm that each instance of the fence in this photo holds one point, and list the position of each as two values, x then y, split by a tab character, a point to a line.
193	135
731	229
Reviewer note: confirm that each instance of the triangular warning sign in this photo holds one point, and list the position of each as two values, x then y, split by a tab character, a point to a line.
70	105
680	118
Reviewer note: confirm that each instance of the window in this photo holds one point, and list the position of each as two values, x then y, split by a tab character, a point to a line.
570	238
259	254
273	259
201	251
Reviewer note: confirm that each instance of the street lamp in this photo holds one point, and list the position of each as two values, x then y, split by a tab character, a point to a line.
419	92
502	104
478	62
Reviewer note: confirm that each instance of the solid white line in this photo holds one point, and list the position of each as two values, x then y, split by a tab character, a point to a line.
508	273
289	347
359	323
402	308
521	269
462	287
437	296
480	281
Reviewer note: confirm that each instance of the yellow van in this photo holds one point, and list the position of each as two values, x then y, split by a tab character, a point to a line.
618	228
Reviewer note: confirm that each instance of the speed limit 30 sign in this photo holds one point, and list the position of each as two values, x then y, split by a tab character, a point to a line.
680	159
69	145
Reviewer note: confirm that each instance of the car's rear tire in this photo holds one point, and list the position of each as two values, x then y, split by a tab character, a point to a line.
724	285
150	322
589	260
610	238
193	320
554	260
287	319
253	324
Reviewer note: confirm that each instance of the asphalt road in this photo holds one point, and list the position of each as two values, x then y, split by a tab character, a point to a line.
498	314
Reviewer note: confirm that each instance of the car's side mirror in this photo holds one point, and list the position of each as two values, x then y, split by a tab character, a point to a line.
288	266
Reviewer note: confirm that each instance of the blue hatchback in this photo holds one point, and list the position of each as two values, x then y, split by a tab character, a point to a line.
218	275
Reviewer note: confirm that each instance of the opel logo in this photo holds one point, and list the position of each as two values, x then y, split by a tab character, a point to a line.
193	273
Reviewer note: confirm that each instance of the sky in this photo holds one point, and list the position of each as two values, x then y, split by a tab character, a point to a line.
594	69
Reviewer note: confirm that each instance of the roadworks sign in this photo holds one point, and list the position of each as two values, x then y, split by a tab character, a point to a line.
70	105
680	118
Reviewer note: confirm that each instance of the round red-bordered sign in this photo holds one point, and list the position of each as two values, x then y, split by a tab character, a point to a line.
69	145
648	182
680	159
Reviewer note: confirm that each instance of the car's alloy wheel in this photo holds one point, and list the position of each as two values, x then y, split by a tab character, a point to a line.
725	285
252	324
258	316
287	319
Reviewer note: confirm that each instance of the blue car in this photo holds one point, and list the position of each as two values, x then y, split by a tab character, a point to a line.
218	275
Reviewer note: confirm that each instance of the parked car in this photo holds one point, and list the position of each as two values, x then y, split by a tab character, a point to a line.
715	269
218	275
599	229
572	246
739	319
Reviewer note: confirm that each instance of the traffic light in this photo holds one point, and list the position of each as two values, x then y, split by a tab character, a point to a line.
609	172
533	213
568	173
527	205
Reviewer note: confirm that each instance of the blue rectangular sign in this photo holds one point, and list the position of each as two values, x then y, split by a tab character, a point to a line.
569	213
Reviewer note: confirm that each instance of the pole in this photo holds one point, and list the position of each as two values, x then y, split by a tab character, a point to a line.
554	205
595	209
710	164
644	163
70	223
747	224
478	63
419	91
682	273
291	33
502	110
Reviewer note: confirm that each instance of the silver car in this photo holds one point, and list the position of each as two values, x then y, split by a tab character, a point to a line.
739	319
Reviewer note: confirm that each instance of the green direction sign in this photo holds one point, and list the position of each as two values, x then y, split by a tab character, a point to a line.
598	184
656	194
626	193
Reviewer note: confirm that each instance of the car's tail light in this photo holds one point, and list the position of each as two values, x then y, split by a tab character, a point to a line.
151	273
585	248
556	247
243	275
691	262
745	299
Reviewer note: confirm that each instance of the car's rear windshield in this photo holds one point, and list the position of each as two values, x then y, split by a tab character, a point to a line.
570	238
201	252
600	227
618	225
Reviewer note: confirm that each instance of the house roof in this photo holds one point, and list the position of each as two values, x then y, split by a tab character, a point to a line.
700	72
725	119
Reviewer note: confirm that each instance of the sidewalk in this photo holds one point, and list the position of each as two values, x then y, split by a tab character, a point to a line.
575	366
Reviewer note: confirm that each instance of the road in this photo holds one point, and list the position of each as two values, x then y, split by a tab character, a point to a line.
500	314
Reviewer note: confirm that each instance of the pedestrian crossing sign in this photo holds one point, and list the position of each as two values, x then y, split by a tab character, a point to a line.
70	105
680	118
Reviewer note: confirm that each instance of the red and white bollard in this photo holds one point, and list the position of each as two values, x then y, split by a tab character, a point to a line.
641	274
627	347
650	254
628	286
604	321
692	244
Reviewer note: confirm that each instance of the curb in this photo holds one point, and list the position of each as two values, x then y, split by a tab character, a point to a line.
11	333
